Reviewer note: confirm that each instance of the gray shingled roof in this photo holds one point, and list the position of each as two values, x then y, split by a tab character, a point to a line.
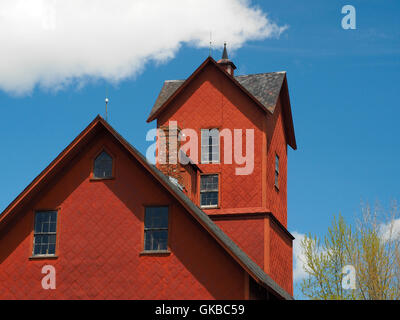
265	87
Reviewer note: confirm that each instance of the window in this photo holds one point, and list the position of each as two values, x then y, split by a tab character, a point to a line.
277	171
156	229
103	165
45	233
209	146
209	190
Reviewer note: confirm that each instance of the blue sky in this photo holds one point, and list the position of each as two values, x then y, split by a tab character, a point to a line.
343	87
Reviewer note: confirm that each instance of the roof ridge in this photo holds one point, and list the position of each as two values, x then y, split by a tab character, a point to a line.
241	75
260	73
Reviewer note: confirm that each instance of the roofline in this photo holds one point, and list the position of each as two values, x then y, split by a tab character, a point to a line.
197	71
39	178
287	114
236	253
289	126
204	220
260	213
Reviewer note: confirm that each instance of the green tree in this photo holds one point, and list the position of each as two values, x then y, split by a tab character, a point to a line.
371	247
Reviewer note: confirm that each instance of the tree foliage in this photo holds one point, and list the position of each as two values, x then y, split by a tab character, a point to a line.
371	247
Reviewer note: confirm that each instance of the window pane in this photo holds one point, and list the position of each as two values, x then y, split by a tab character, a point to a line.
45	239
53	227
209	198
53	216
209	145
44	232
277	163
156	217
156	239
52	239
204	154
43	249
103	166
209	182
38	239
215	153
45	227
52	249
36	249
276	179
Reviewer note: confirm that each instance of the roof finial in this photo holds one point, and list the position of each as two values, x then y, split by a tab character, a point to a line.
106	100
210	53
106	109
227	64
225	53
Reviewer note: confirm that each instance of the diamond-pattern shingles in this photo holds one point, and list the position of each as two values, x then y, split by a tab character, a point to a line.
100	240
248	234
281	258
212	101
277	199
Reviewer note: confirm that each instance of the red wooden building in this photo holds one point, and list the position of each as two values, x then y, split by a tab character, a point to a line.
114	226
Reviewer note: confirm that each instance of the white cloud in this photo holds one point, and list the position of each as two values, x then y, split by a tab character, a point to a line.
299	258
390	231
52	42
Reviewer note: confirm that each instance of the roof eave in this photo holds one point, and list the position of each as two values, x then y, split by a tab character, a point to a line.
287	113
188	80
289	127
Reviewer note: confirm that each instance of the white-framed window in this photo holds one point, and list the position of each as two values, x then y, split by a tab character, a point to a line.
209	146
209	190
156	229
45	233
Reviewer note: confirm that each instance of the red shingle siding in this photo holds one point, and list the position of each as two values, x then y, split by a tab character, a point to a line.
281	258
276	140
212	101
248	234
100	237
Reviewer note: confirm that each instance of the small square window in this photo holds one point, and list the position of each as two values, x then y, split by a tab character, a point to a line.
45	233
209	190
156	229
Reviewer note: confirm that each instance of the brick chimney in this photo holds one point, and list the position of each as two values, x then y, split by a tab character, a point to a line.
168	146
227	64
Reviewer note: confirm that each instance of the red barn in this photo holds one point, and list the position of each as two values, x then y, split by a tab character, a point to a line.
114	226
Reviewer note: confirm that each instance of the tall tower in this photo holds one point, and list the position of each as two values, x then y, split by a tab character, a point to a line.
226	113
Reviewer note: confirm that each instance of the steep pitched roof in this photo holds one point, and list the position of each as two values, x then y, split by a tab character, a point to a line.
265	87
262	88
76	145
